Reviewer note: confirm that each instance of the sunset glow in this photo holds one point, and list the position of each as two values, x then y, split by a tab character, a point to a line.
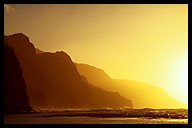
147	43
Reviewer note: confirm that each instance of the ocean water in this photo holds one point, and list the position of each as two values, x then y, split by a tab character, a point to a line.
101	116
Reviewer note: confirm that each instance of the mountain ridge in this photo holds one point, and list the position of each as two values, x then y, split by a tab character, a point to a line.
143	95
103	76
53	81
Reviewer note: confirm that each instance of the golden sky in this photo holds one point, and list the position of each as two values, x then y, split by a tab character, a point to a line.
140	42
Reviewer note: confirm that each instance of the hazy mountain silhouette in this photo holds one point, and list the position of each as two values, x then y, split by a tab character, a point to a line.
53	81
37	51
143	95
15	94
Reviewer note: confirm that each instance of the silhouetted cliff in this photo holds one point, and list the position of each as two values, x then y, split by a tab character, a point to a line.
143	95
37	51
15	94
53	81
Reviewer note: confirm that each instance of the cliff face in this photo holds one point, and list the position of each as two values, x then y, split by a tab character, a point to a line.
15	94
143	95
53	81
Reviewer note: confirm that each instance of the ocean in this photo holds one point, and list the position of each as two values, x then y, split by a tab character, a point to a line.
101	116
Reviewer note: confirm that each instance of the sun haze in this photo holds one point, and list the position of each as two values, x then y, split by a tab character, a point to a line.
146	43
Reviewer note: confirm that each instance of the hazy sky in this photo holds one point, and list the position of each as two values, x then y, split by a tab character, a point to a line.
138	42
